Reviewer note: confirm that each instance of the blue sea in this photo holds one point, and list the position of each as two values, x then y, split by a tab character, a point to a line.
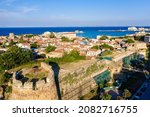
90	32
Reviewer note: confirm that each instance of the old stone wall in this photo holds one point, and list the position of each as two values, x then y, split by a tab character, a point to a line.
72	86
83	83
44	89
46	66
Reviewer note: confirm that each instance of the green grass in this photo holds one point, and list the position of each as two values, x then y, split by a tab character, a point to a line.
106	53
39	75
73	56
27	65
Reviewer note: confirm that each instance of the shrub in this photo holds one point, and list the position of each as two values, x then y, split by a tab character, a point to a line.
67	57
29	35
8	89
33	45
50	49
103	37
14	56
65	39
106	46
52	35
106	52
130	41
42	55
95	47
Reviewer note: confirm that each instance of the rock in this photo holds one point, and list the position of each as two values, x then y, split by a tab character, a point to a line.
1	92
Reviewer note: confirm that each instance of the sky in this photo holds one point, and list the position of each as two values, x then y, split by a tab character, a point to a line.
53	13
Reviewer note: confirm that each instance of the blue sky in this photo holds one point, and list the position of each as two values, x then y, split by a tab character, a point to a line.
74	12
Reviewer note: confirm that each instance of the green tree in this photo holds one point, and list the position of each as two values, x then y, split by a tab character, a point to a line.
50	48
14	56
52	35
67	58
11	43
106	46
139	38
65	39
33	45
95	47
106	52
4	77
103	38
21	40
105	96
42	55
29	35
101	85
130	41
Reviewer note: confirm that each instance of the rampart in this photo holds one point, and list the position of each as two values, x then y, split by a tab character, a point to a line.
41	89
73	84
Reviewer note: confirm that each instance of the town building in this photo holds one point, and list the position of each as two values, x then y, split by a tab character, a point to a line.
69	35
11	36
147	39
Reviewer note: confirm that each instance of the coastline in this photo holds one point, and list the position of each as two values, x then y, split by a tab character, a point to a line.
90	32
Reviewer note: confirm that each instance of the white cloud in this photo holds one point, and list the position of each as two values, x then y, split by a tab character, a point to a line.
17	12
25	9
8	2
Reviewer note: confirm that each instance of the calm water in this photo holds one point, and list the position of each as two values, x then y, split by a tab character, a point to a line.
90	32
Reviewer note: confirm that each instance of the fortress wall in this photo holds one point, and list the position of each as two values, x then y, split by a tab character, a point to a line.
17	84
141	46
84	86
40	84
46	66
27	94
28	85
42	92
79	88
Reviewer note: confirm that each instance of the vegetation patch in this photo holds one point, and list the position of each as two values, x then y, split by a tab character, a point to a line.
14	57
50	48
106	46
106	53
67	58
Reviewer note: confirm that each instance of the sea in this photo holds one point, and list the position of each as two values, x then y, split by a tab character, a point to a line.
87	32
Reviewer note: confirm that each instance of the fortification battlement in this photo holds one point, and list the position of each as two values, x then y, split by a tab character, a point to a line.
33	84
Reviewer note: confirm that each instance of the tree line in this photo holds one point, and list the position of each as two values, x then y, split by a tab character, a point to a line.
13	57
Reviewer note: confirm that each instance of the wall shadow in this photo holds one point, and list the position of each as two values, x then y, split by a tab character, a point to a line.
56	69
20	77
34	81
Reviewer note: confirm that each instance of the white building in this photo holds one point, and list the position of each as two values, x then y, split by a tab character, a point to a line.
23	46
11	36
132	29
46	34
93	53
55	54
69	35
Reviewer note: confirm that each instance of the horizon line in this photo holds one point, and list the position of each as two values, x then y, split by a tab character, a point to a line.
69	26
